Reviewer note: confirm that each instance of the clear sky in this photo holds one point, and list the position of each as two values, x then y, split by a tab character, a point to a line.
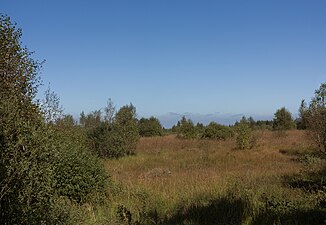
231	57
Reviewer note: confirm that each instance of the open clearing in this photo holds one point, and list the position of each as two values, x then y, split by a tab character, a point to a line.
175	181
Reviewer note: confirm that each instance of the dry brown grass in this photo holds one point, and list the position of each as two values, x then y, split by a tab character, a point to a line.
183	181
176	169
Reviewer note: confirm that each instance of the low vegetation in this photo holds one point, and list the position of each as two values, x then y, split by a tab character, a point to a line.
200	181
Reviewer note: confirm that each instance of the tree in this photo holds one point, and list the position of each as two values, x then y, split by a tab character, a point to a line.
93	119
109	111
252	122
186	129
316	117
200	129
114	137
283	120
29	148
245	138
25	161
301	122
150	127
217	131
126	126
18	71
51	108
82	119
66	121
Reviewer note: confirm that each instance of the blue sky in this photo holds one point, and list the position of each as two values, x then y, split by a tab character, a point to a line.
182	56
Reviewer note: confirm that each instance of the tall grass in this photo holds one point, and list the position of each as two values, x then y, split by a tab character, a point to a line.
176	181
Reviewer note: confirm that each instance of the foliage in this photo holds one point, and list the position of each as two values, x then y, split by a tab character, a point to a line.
125	124
109	111
283	120
200	129
18	71
25	159
316	117
264	124
245	138
301	122
78	173
150	127
217	132
112	138
33	156
105	141
186	129
65	121
25	167
175	128
51	108
92	120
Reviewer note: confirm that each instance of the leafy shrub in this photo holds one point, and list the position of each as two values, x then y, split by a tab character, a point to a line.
217	132
150	127
30	149
283	120
25	154
186	129
125	125
245	138
200	129
78	173
105	141
115	139
315	117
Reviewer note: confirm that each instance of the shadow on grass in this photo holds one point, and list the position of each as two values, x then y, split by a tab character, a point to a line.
297	217
310	181
216	212
236	211
313	179
236	208
302	154
313	182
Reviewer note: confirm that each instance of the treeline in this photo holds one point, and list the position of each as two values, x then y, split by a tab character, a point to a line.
115	134
312	118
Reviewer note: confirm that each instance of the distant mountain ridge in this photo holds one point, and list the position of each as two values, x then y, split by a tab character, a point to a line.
171	118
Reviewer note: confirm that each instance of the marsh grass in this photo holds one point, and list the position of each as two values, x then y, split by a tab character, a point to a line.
177	181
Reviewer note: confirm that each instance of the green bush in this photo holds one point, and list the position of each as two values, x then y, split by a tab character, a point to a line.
34	159
105	141
217	132
150	127
26	178
315	117
186	129
77	172
283	120
245	138
126	127
115	139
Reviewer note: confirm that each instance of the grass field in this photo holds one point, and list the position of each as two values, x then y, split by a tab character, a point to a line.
175	181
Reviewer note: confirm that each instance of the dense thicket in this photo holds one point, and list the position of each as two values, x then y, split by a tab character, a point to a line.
283	120
114	137
39	168
186	129
217	131
150	127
